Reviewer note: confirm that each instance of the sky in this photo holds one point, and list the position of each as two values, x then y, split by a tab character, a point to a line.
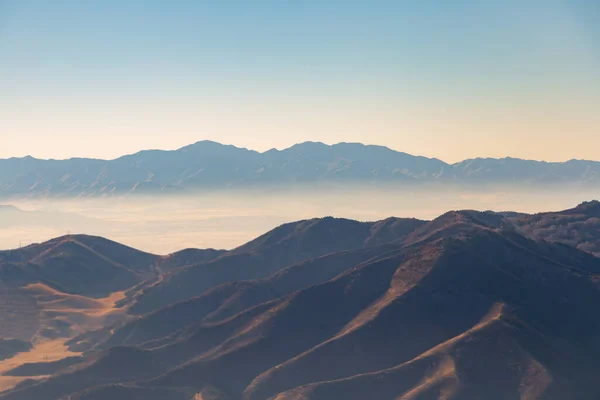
446	79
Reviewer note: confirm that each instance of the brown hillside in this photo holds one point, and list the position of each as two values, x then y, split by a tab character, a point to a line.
578	227
286	245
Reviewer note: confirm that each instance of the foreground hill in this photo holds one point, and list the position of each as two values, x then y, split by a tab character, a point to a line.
578	227
270	253
52	291
89	265
209	165
83	265
467	306
77	264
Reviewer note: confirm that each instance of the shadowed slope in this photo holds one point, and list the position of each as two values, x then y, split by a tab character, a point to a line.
130	393
10	347
454	369
578	227
77	264
229	299
270	253
89	265
469	276
189	257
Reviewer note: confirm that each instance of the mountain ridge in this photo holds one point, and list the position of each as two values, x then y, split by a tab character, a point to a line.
208	165
200	143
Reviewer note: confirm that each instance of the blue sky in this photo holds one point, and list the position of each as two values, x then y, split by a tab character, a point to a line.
446	79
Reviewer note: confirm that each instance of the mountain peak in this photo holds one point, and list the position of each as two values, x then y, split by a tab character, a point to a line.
203	144
309	146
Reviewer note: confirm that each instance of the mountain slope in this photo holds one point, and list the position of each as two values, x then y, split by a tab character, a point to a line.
268	254
225	301
89	265
11	347
77	264
456	290
578	227
449	370
53	291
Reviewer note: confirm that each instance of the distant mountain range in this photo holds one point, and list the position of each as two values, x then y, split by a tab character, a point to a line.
209	165
471	305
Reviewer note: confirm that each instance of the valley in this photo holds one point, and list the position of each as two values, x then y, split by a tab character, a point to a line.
77	314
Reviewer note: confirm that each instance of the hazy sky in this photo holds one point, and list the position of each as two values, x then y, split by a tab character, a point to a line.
449	79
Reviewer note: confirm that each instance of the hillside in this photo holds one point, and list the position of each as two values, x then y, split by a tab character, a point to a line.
286	245
467	306
53	291
578	227
226	300
11	347
90	265
208	165
77	264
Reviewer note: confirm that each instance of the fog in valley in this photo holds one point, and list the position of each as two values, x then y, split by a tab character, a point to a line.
228	219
